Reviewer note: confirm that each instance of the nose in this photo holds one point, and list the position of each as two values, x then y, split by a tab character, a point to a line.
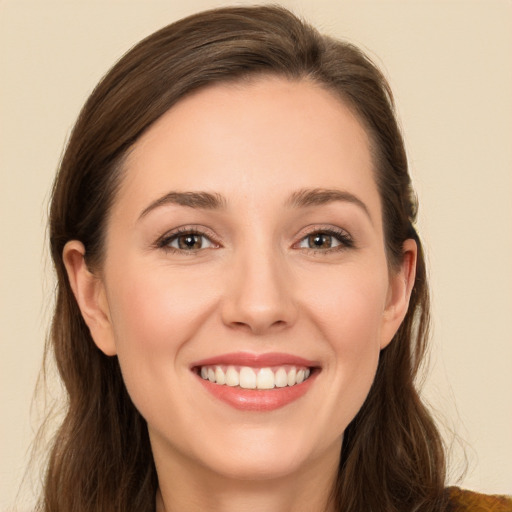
259	293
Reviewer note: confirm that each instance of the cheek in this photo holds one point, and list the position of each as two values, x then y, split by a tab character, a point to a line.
348	308
154	314
157	309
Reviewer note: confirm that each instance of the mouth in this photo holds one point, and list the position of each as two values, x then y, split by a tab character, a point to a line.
252	382
247	377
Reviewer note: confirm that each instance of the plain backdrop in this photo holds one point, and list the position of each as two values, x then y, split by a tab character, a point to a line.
450	66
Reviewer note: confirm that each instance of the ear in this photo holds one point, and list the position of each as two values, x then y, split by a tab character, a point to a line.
90	295
401	283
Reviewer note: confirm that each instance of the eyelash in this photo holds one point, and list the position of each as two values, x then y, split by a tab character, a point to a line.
165	240
341	236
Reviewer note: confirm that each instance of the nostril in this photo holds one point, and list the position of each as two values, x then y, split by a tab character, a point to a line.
258	327
241	325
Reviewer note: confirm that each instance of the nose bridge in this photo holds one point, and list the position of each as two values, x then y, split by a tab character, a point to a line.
259	294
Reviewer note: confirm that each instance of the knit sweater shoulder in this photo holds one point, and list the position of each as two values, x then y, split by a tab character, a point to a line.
461	500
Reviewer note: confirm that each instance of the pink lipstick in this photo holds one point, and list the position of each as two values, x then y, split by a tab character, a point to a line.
256	382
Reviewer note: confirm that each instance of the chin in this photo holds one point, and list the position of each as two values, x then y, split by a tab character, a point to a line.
258	456
262	468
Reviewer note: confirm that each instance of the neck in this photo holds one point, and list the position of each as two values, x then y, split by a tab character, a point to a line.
184	488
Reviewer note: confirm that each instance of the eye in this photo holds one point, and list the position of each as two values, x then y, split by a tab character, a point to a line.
190	241
325	240
185	241
319	241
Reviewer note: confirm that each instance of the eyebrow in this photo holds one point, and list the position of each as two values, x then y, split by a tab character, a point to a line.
204	200
299	199
320	196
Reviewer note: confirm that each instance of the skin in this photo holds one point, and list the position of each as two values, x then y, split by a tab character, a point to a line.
256	286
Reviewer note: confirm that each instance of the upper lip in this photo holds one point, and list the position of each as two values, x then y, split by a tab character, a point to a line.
256	360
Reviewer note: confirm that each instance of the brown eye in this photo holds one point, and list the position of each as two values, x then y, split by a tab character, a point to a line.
186	242
326	241
320	241
189	241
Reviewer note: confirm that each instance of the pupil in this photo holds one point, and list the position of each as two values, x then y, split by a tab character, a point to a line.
190	242
320	240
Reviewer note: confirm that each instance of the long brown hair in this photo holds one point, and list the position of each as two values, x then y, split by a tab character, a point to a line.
101	460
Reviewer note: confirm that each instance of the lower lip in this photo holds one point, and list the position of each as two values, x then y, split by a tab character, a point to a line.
258	400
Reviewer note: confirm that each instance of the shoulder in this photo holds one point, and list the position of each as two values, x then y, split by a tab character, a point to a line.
461	500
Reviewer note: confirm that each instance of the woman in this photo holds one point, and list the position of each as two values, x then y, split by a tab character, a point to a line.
242	303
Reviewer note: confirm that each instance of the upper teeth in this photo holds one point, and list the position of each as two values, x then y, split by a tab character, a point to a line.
255	378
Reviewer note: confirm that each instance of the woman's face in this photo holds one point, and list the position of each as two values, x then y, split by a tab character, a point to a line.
246	245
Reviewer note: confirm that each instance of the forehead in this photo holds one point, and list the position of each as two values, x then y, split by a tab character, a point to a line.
263	138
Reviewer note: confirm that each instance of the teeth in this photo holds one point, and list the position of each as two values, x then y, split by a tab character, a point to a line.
220	377
253	378
247	378
281	378
232	377
265	379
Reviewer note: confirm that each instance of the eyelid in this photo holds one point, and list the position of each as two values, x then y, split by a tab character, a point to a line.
342	235
162	242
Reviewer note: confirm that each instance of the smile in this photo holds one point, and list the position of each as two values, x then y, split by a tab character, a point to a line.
255	378
256	382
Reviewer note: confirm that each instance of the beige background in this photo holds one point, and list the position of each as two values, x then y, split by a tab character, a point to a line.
450	65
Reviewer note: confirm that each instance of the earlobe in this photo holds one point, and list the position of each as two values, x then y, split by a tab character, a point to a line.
400	288
89	292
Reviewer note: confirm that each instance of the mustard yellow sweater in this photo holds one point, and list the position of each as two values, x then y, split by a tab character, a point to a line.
468	501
